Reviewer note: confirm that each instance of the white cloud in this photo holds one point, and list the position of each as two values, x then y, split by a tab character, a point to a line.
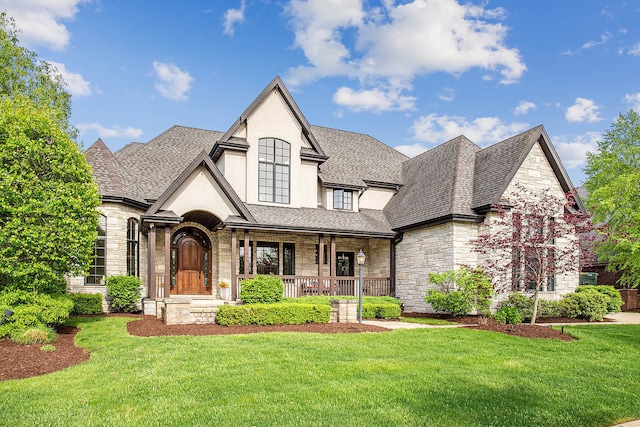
584	110
413	149
112	132
592	43
483	130
396	43
573	149
376	100
633	99
76	84
232	17
635	50
174	83
39	20
524	107
447	94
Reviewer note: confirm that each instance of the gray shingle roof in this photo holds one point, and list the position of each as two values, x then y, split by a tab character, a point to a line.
367	222
355	158
112	178
156	164
497	164
437	183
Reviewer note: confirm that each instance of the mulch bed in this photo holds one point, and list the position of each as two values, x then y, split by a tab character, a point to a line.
24	361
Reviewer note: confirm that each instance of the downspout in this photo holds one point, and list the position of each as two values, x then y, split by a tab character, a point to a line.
397	239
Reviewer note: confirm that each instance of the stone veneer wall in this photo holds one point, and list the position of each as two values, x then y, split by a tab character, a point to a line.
422	251
117	216
536	174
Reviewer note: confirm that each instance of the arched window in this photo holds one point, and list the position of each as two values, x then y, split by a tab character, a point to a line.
273	170
97	270
133	248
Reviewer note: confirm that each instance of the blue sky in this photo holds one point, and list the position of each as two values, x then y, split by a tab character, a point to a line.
412	73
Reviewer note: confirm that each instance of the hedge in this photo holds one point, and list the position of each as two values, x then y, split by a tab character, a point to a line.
261	289
272	314
86	303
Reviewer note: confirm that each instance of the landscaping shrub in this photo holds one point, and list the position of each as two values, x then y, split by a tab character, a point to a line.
326	299
32	311
125	293
272	314
86	303
508	315
460	291
372	307
523	304
262	289
588	304
380	311
38	335
614	301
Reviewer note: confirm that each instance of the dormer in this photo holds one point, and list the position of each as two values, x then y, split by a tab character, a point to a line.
269	155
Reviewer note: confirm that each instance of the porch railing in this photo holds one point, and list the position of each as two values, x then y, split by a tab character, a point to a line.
298	286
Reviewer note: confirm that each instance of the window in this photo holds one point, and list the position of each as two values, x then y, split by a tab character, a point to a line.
248	258
326	258
133	251
267	258
288	259
533	253
273	170
343	199
97	269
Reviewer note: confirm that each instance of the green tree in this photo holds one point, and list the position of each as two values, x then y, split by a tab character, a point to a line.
460	291
48	200
21	73
613	183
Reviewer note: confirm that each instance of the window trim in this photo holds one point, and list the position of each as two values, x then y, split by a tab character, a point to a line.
91	279
133	242
342	199
270	187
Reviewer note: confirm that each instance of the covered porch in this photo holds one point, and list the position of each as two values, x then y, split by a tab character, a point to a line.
308	263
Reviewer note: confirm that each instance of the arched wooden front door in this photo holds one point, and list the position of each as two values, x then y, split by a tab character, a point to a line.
192	275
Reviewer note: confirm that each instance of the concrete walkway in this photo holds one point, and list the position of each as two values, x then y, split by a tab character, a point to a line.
624	318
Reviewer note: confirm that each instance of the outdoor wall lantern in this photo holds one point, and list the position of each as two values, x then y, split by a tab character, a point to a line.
7	313
361	257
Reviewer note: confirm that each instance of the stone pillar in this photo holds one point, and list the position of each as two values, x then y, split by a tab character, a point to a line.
344	311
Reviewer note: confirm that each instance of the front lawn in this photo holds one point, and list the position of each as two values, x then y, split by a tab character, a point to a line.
424	377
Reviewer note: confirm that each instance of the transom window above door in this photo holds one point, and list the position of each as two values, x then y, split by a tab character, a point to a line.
274	177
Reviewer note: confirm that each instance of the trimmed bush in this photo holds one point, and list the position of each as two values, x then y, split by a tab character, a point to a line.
588	304
32	311
86	303
460	291
372	307
614	301
125	293
326	299
272	314
508	315
523	304
380	311
262	289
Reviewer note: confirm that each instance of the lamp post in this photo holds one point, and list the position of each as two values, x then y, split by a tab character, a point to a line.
361	257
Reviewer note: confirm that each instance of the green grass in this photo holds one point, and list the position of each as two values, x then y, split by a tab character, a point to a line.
424	377
426	321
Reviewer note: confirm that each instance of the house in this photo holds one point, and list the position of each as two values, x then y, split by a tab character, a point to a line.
275	195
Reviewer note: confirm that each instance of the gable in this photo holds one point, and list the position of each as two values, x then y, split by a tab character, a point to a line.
201	187
536	174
